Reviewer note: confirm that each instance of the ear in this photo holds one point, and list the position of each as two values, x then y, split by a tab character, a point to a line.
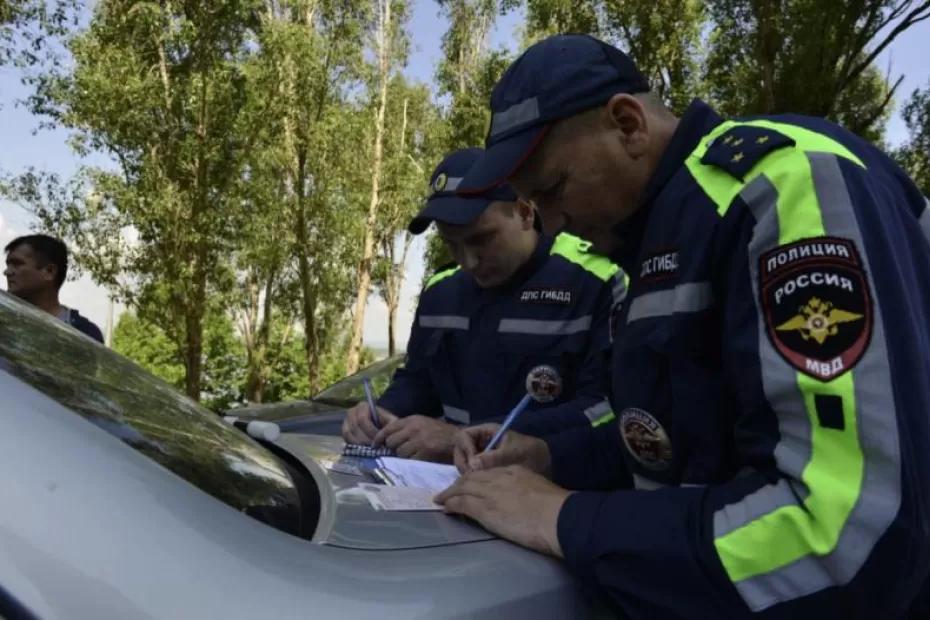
626	115
526	211
50	271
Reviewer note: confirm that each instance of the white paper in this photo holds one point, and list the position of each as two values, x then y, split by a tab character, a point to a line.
433	477
383	497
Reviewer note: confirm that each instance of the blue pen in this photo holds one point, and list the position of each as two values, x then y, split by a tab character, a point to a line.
508	421
371	403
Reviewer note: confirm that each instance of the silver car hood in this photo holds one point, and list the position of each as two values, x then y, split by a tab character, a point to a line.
348	520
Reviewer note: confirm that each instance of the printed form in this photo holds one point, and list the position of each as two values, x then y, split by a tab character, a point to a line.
413	484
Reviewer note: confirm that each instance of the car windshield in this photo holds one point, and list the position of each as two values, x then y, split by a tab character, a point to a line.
350	390
144	412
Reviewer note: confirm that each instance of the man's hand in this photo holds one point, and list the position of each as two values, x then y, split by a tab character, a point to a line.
358	427
513	449
419	437
513	503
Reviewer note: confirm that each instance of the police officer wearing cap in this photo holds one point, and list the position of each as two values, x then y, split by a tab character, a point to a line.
770	380
519	311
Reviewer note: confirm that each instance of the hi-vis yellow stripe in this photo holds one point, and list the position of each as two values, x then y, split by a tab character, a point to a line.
723	187
440	276
834	474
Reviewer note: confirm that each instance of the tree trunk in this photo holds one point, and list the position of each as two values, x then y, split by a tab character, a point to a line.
196	302
394	285
392	319
308	295
368	245
766	52
257	344
193	345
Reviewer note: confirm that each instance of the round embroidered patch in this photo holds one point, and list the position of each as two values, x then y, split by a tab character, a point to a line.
645	439
439	183
544	383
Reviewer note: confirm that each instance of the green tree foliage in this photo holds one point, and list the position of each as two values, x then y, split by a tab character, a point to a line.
468	70
548	17
413	142
303	81
27	26
663	36
390	44
159	88
914	155
806	56
268	154
149	347
224	356
465	77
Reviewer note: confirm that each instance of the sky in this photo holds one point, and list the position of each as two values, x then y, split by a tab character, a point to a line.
23	145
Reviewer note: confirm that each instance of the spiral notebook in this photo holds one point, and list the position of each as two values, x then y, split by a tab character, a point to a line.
366	452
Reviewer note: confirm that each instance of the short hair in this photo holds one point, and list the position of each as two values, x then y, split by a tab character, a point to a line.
48	249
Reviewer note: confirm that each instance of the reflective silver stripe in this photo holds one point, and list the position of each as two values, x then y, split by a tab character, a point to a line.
688	297
618	288
641	483
752	506
924	220
793	451
545	328
879	496
599	411
455	414
452	184
517	114
444	321
779	385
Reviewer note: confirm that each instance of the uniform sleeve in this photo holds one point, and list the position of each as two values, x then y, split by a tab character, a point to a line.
589	457
589	407
411	390
808	353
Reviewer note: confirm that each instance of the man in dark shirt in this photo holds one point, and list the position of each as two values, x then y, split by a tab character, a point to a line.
36	266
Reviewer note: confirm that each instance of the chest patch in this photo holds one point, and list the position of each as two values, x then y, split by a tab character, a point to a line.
557	296
645	439
816	304
659	266
544	384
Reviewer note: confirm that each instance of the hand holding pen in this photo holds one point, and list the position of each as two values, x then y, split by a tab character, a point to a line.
372	408
543	384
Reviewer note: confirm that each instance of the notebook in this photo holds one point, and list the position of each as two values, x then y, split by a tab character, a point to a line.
366	452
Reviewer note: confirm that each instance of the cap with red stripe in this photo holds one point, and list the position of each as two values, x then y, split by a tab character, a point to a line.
445	205
558	77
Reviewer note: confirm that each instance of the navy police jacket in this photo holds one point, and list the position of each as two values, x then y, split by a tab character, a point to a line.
472	350
771	383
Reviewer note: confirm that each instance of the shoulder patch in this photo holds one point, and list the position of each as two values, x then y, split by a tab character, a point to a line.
817	305
739	149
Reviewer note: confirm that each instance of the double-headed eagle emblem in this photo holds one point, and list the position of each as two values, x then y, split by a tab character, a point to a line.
818	319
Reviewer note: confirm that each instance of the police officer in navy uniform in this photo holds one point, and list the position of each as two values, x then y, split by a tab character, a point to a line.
770	380
519	311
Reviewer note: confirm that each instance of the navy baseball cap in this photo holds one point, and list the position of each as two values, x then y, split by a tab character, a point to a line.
558	77
444	205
